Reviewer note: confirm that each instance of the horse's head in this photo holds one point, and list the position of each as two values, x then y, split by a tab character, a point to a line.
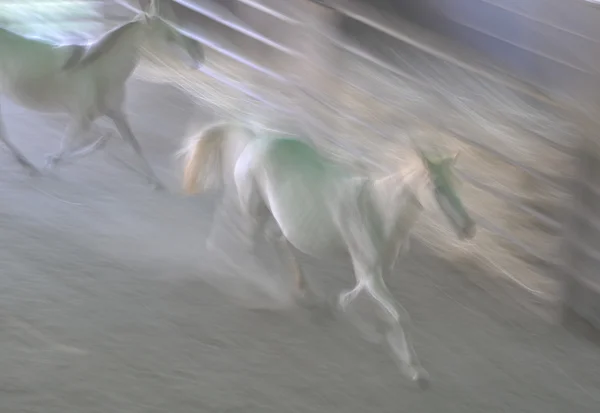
441	182
161	19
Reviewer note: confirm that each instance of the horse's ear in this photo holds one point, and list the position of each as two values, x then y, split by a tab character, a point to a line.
449	161
417	148
422	155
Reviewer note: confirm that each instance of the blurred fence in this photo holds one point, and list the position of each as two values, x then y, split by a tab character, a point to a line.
361	81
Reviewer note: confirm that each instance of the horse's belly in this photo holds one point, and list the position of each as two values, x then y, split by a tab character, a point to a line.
42	94
40	100
310	229
316	242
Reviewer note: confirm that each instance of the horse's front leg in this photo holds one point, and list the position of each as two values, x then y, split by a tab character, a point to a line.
370	279
256	215
299	278
72	145
367	261
397	336
15	151
122	125
232	223
302	291
397	250
225	211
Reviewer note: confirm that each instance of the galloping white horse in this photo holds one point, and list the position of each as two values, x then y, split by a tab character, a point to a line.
322	208
85	82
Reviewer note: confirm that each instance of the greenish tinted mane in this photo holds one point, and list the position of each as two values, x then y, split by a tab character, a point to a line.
439	167
440	171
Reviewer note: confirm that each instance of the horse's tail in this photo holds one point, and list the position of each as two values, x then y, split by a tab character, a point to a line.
204	156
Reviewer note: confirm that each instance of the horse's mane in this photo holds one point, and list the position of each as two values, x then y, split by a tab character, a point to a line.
84	56
410	171
414	164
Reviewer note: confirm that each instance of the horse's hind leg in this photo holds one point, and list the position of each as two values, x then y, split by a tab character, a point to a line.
303	292
256	209
299	278
256	212
250	199
223	218
15	151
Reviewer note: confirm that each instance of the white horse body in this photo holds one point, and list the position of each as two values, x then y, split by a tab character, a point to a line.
324	209
306	211
85	82
398	211
306	216
36	78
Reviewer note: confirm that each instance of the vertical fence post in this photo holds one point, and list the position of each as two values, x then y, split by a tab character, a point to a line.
253	110
581	274
314	75
276	60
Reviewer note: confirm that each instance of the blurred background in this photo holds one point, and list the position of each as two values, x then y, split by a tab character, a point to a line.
109	300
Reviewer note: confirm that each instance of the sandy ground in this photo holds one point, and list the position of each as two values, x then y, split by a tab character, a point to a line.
108	304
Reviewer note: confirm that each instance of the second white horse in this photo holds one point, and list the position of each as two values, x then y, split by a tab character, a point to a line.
85	82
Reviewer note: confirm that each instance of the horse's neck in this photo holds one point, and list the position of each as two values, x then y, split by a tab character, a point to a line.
392	188
396	197
129	35
126	38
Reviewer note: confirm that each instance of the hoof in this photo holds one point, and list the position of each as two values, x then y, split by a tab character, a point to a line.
343	300
51	163
48	169
33	171
157	185
421	378
29	167
424	383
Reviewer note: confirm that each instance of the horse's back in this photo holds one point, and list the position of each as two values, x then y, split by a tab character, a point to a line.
30	71
102	46
294	157
18	50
